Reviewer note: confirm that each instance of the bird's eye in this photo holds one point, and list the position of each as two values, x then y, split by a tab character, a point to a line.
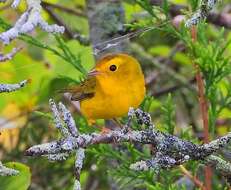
113	68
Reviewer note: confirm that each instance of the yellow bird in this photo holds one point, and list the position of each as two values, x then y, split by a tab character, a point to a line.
111	88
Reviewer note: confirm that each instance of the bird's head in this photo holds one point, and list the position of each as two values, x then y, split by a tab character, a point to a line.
119	67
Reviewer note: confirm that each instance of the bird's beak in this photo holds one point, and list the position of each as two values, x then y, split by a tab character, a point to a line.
94	73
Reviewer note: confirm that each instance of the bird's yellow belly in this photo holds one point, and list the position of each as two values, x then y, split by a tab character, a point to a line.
108	107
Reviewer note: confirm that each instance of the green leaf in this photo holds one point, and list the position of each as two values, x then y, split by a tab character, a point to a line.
19	182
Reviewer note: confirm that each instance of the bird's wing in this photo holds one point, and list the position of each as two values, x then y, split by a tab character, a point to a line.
83	91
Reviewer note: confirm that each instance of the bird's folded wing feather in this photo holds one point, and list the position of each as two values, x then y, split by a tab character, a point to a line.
83	91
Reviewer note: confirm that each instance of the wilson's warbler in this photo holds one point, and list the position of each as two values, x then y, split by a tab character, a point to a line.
111	88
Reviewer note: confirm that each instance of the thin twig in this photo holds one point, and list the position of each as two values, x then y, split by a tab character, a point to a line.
10	55
27	22
220	19
4	171
196	181
69	33
204	111
12	87
63	8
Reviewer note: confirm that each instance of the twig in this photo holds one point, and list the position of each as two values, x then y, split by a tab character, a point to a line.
220	165
205	7
58	20
70	34
30	19
203	104
80	155
12	87
63	8
196	181
204	111
4	171
10	55
219	19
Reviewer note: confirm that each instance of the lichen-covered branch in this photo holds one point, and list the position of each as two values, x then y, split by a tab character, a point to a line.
12	87
10	55
201	14
196	181
170	150
27	22
4	171
220	165
217	18
80	155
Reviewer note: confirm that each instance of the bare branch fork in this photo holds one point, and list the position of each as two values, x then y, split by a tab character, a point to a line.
171	150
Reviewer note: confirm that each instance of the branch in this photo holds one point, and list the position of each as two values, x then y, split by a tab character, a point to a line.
220	165
80	155
204	110
70	34
30	19
201	14
219	19
4	171
12	87
64	9
196	181
171	150
10	55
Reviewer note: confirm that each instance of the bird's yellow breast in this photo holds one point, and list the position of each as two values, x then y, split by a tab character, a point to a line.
112	99
114	104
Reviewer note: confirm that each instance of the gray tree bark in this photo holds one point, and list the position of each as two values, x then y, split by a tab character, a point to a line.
106	23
